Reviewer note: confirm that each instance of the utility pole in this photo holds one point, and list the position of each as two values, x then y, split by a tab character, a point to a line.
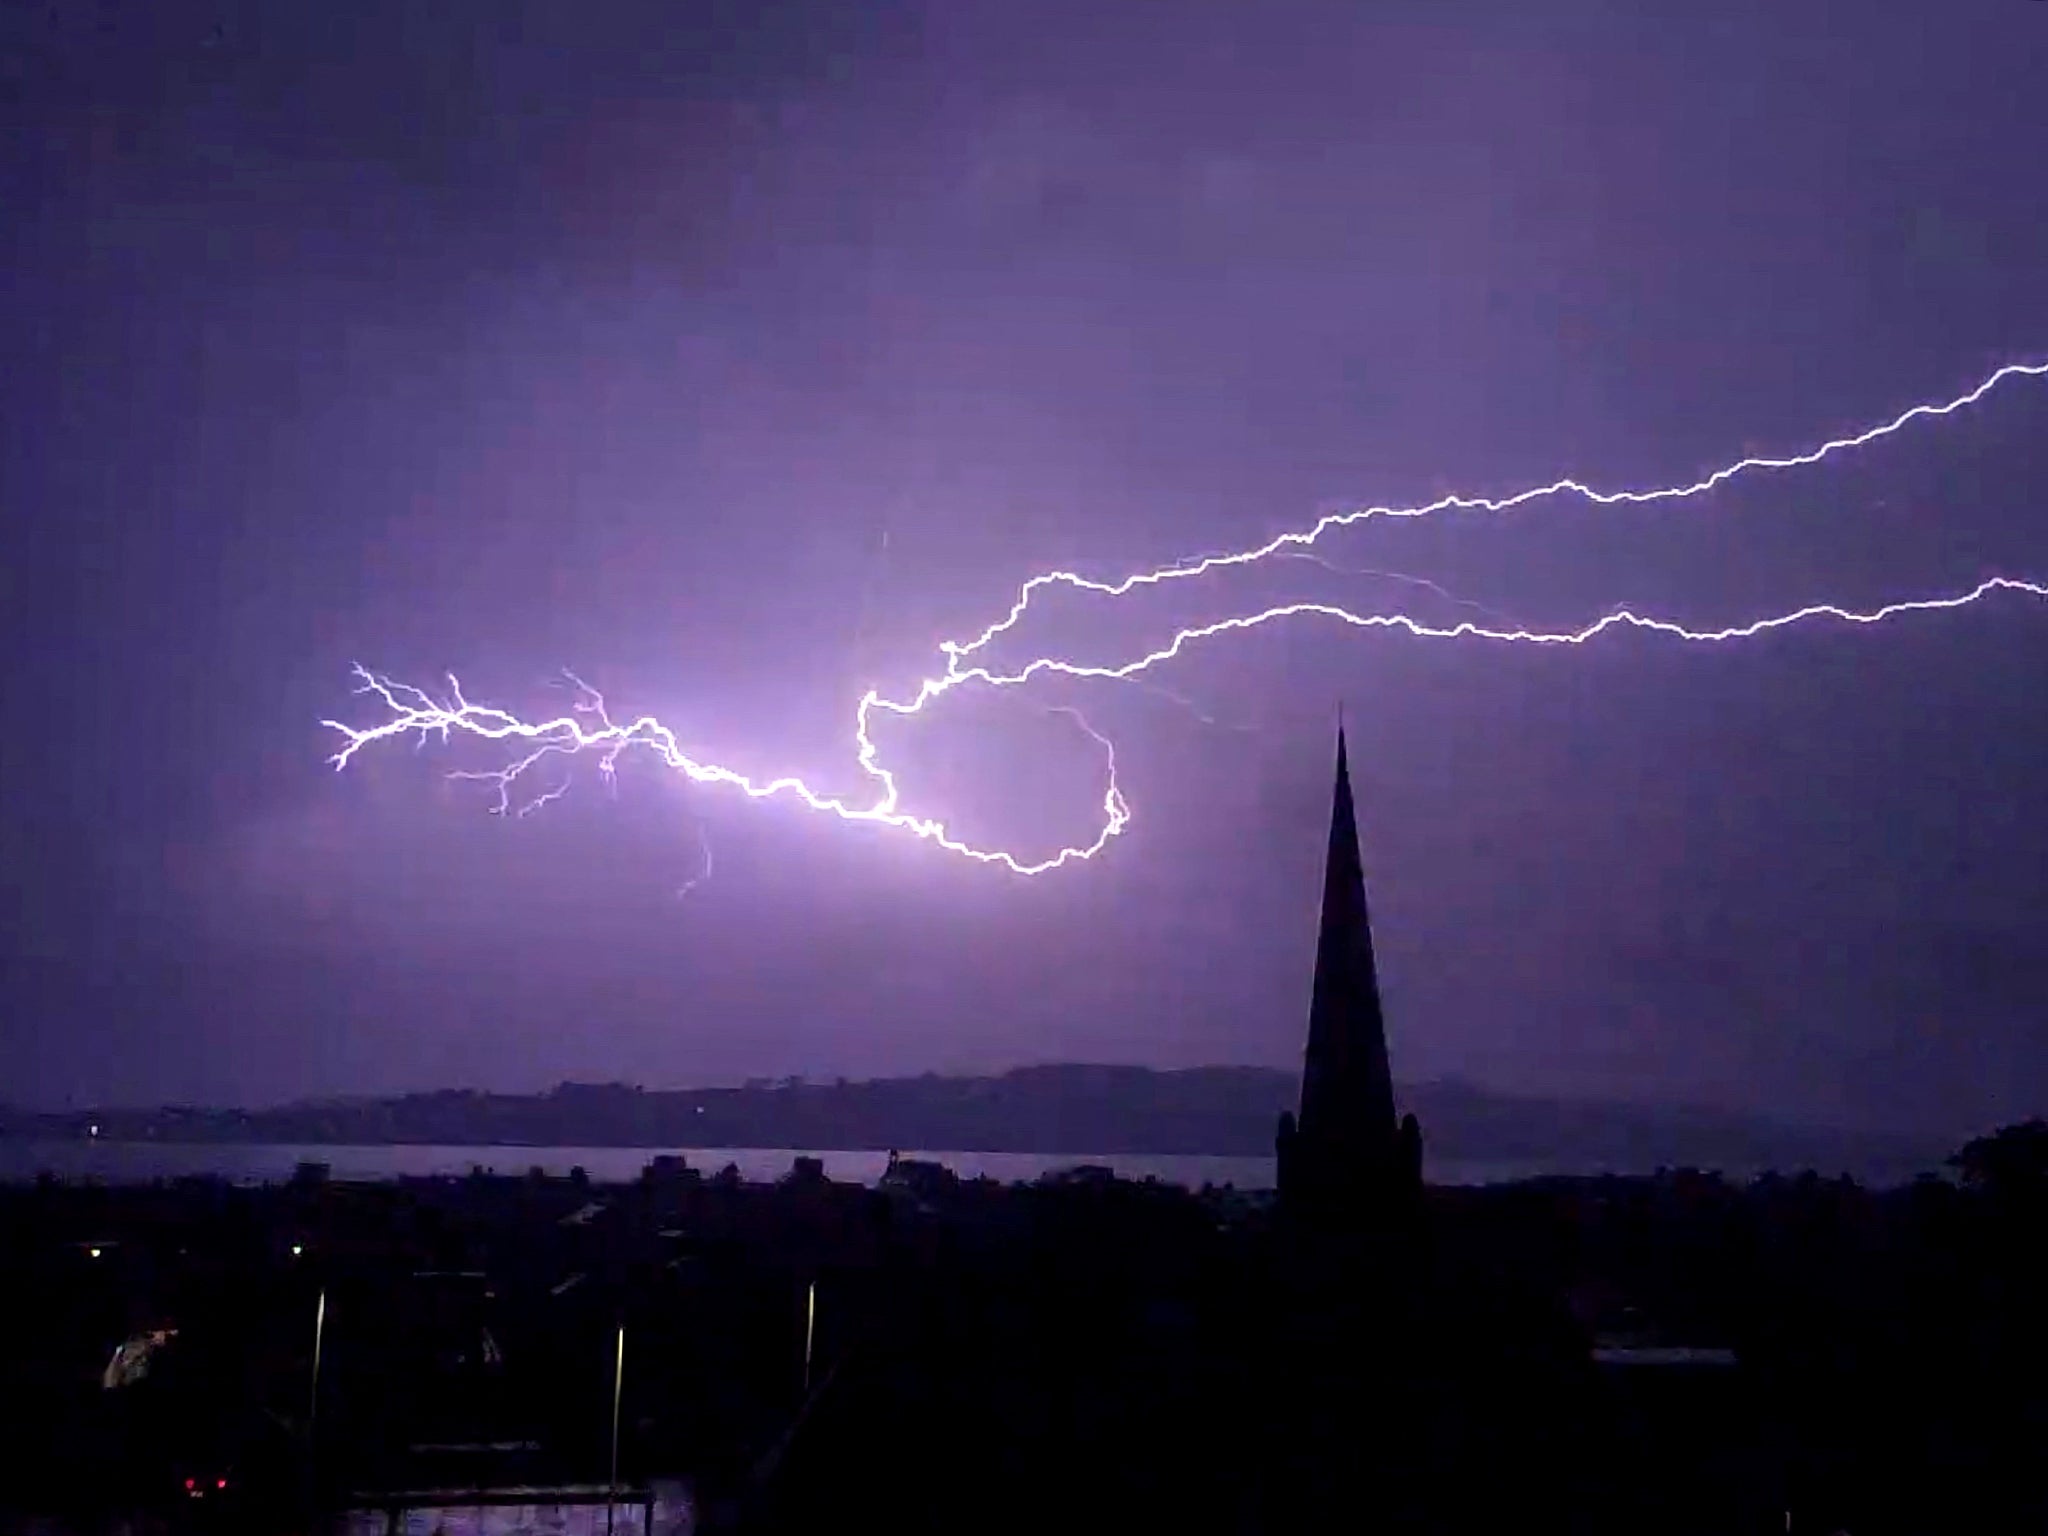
810	1330
611	1492
313	1389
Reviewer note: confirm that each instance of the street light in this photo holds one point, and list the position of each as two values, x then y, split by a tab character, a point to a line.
313	1391
611	1492
810	1330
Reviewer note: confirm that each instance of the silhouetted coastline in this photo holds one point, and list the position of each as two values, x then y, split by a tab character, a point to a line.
1066	1109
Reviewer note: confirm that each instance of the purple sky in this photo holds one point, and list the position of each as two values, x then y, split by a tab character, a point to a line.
505	339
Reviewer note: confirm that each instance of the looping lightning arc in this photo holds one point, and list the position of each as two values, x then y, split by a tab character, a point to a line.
589	730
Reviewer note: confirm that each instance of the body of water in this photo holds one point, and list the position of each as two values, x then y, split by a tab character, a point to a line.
116	1162
671	1512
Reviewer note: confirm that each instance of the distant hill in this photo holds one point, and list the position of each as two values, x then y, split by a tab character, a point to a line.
1064	1109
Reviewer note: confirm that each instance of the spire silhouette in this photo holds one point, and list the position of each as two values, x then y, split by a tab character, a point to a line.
1345	1150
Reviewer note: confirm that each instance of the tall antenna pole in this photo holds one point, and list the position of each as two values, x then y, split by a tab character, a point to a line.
810	1330
611	1492
313	1389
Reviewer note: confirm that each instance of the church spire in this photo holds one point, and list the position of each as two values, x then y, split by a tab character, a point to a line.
1346	1138
1346	1090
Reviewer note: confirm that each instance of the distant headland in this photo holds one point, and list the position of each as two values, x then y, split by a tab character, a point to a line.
1054	1109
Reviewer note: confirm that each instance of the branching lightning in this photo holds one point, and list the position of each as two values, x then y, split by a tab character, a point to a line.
589	731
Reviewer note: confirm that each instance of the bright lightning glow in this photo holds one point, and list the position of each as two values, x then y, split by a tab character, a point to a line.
1323	525
589	730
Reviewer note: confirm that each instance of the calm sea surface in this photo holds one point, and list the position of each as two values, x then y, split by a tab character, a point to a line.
125	1162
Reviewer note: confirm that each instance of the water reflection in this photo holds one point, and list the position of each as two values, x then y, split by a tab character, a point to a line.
672	1513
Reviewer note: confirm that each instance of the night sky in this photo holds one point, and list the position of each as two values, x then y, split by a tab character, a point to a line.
735	354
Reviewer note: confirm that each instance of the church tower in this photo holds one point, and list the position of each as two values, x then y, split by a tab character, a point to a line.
1345	1161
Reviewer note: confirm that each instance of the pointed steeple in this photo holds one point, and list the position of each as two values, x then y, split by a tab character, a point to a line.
1345	1144
1347	1094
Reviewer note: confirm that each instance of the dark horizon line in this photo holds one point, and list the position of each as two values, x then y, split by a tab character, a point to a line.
1451	1083
773	1083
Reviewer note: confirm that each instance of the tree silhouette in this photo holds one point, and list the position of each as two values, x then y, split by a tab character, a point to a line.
2010	1161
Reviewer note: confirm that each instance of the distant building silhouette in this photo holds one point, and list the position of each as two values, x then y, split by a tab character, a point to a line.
1345	1162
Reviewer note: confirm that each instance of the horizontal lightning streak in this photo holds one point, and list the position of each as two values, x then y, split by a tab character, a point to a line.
1469	630
589	729
1303	537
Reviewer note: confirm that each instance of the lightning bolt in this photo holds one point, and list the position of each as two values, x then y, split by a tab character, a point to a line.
1202	566
1401	576
589	731
703	874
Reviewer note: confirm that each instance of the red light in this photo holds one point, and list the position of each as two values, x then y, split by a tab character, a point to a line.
220	1482
190	1485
